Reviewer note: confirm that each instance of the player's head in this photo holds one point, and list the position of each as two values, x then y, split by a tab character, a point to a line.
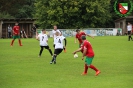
55	27
77	30
83	37
128	23
16	23
57	34
43	31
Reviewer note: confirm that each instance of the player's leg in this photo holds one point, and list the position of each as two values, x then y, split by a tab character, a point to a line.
50	51
88	62
129	36
19	40
56	52
14	37
41	50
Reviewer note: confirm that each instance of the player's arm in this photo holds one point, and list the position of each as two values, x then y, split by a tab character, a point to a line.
37	37
78	50
90	36
65	42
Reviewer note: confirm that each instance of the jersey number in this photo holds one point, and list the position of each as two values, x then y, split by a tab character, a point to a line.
59	41
42	38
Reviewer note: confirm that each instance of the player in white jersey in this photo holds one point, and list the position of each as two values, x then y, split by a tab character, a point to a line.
43	38
54	33
129	29
58	46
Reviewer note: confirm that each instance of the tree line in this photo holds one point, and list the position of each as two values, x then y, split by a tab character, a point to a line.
64	13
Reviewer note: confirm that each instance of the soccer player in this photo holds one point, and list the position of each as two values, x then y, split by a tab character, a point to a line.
58	46
54	34
87	51
43	42
78	36
16	34
129	29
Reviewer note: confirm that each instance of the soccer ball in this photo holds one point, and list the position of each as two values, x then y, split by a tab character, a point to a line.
75	55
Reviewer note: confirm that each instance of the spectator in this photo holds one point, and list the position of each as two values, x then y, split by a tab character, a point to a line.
23	34
9	31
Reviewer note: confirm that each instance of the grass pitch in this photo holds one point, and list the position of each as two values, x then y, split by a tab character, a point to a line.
20	67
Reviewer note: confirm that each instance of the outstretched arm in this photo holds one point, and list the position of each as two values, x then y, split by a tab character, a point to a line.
65	42
90	36
75	40
78	50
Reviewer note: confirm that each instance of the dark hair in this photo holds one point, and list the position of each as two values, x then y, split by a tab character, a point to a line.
43	29
83	37
77	30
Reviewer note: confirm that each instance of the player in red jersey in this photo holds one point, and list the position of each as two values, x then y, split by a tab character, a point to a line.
78	36
87	51
16	34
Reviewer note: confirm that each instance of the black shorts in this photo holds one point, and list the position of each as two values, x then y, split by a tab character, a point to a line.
58	51
46	47
129	32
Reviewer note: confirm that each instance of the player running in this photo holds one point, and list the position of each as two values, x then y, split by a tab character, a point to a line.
78	36
42	37
58	46
87	51
54	35
16	34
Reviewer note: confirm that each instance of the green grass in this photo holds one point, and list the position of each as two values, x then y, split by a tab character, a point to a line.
20	67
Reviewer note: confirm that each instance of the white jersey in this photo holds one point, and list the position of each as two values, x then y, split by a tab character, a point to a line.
54	31
43	39
129	27
59	42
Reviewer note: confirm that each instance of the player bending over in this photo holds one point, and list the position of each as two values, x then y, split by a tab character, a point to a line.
87	51
78	36
16	34
43	38
58	46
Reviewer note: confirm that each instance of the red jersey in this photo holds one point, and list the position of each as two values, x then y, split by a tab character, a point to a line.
87	45
78	36
16	30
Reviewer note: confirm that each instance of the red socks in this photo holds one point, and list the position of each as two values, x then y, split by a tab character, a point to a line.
93	67
19	42
12	42
85	68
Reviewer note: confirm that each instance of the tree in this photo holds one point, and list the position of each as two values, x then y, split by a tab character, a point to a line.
18	8
72	13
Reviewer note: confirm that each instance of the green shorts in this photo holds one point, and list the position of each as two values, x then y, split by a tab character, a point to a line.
16	36
88	60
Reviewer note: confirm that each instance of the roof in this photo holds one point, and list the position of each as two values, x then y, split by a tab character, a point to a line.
128	17
18	19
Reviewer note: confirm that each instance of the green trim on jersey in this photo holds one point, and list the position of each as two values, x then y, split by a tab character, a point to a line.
88	60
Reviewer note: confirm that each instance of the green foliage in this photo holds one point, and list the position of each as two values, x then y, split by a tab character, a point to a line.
18	8
72	13
5	15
